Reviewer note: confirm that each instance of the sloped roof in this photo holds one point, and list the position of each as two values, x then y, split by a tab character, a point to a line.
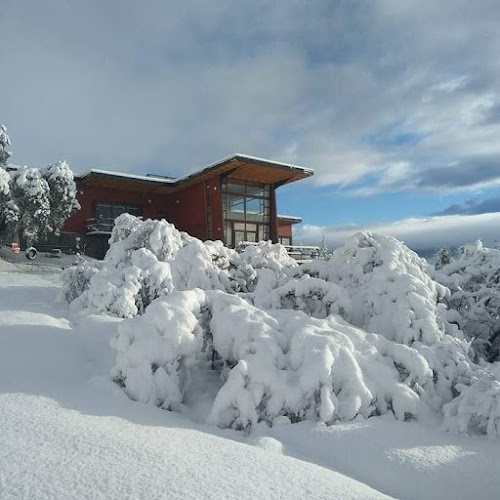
239	166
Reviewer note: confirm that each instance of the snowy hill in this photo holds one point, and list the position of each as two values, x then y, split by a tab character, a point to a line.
67	431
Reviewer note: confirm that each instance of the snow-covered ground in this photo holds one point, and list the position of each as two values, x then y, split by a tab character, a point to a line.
67	431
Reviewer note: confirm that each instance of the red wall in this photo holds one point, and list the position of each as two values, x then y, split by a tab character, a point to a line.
273	217
213	193
284	230
89	196
187	210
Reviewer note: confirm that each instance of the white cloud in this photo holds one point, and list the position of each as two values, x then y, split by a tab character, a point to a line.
417	233
178	84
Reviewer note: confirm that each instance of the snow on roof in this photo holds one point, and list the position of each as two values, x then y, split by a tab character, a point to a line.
291	218
164	180
148	178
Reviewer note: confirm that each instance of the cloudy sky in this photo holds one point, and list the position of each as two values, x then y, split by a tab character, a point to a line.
395	104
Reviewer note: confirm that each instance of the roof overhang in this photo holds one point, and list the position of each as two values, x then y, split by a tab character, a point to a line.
239	166
288	219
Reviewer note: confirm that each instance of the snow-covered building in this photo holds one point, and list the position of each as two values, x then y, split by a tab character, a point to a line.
232	200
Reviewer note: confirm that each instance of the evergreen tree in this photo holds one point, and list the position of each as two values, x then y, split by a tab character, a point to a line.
62	196
323	249
4	144
31	193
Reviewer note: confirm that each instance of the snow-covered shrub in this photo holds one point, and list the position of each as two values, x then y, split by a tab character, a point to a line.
392	294
31	193
267	255
62	197
274	331
390	288
154	352
477	409
314	296
211	266
150	258
474	280
442	258
274	364
135	269
4	145
76	279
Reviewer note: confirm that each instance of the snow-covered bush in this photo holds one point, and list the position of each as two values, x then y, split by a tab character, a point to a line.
62	196
362	333
390	288
392	294
316	297
477	409
442	258
31	193
150	258
76	279
135	269
211	266
474	280
4	145
274	365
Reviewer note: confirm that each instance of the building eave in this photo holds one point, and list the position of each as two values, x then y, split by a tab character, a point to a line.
236	165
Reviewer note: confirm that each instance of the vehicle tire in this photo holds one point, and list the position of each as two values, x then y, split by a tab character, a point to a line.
31	253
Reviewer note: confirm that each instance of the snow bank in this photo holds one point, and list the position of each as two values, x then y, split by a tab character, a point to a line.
94	457
276	365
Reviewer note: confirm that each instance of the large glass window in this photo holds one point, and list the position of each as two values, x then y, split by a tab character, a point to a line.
246	207
106	213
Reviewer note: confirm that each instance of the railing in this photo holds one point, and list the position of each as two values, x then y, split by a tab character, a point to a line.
303	253
100	226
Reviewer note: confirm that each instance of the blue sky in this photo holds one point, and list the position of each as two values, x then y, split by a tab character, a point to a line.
396	105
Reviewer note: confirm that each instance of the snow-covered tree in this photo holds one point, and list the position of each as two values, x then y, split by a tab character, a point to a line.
4	145
474	280
323	248
31	193
9	212
62	197
32	201
442	258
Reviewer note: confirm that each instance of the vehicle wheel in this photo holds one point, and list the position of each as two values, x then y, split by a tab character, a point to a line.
31	253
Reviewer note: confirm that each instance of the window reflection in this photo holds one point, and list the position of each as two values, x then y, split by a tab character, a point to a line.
246	208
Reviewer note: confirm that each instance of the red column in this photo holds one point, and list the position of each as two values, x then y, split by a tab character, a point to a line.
273	217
